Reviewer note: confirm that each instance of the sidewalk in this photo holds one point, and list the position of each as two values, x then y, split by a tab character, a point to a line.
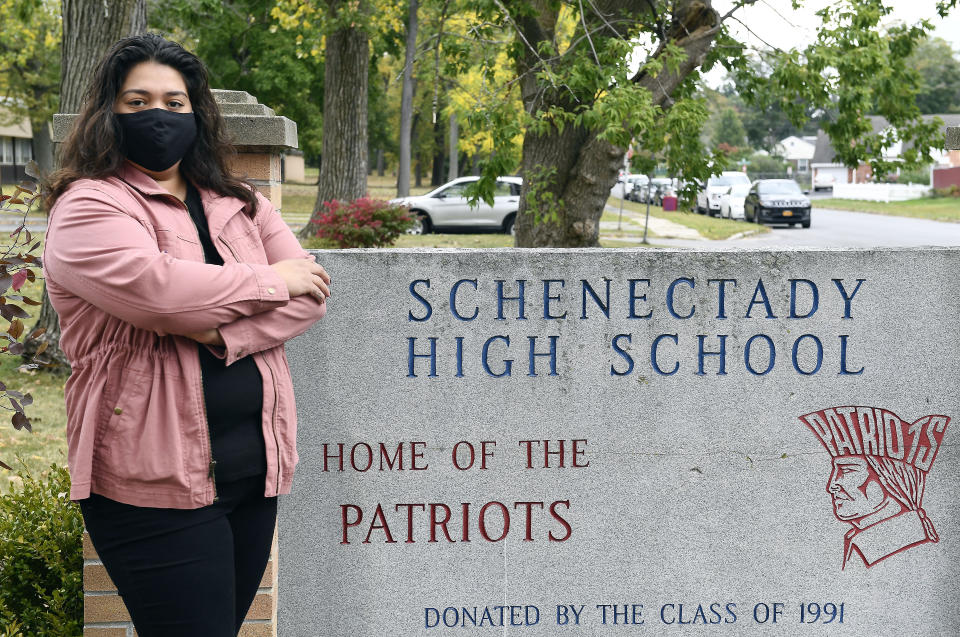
662	228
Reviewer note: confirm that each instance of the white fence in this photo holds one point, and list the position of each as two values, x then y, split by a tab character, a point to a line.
880	192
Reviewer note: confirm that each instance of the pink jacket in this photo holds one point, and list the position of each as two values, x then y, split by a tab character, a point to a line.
125	271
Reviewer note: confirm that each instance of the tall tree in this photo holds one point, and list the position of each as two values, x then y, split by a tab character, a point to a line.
89	30
406	102
729	129
343	163
585	101
939	71
30	69
241	46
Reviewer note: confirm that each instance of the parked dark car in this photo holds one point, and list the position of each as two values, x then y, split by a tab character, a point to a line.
777	201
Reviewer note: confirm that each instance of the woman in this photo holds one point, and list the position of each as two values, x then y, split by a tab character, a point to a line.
176	285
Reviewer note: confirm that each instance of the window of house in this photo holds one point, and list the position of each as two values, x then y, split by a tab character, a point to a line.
24	150
803	165
6	151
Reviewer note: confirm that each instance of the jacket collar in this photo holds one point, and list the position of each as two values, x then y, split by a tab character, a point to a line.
217	208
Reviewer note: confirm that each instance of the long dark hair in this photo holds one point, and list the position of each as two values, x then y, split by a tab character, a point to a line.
93	150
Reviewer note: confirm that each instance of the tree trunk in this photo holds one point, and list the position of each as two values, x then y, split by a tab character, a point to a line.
406	103
436	175
89	30
43	148
568	172
380	166
453	152
343	172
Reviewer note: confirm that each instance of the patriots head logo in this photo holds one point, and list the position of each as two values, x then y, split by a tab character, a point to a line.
880	467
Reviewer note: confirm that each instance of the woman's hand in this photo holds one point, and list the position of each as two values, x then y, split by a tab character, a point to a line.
304	276
207	337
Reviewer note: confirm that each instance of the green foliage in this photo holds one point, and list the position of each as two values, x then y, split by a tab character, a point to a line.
939	70
363	223
918	175
855	68
729	129
30	59
18	265
41	560
766	164
244	50
540	197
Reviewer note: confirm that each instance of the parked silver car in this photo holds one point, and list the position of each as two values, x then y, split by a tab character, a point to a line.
448	207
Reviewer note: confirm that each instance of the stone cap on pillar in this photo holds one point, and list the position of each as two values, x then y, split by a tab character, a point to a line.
251	126
953	138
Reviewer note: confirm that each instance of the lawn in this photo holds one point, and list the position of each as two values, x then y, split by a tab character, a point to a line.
936	209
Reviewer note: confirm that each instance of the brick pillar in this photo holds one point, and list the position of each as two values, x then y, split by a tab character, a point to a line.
261	137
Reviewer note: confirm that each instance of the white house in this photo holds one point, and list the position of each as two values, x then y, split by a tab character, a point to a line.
16	148
797	151
827	172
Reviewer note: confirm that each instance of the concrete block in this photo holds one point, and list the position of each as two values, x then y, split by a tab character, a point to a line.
224	96
262	166
262	607
104	609
89	553
953	138
95	631
96	579
677	438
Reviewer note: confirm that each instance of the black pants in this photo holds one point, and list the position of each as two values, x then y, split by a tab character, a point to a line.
186	573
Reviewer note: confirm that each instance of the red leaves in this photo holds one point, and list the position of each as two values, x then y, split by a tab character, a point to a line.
19	278
17	264
363	223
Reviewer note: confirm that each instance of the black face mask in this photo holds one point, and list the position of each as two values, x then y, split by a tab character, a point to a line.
157	138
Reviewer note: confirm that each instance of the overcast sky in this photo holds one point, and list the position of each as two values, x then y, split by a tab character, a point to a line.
777	23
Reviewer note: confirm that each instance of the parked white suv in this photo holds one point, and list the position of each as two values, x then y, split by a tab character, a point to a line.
708	199
449	207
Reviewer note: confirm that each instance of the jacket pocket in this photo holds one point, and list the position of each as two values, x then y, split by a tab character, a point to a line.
246	244
177	245
141	439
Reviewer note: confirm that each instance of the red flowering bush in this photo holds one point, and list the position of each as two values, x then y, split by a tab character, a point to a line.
363	223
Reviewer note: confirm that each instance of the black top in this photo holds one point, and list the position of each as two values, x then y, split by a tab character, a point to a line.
233	395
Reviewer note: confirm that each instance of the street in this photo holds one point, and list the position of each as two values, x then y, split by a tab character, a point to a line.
837	228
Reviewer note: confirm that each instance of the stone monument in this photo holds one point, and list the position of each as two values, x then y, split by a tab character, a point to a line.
592	442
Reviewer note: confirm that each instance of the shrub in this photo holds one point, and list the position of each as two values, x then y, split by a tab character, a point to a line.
41	558
363	223
919	175
953	190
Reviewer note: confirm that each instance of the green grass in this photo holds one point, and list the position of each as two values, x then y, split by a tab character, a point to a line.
486	240
708	227
936	209
47	414
619	243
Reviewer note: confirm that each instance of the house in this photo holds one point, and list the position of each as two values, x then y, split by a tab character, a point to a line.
16	148
827	171
797	151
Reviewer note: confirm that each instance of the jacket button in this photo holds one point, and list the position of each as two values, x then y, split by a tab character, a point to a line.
271	290
117	410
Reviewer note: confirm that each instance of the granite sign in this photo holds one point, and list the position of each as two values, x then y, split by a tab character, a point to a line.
551	442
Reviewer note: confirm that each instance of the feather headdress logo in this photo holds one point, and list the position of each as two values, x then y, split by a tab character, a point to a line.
880	467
